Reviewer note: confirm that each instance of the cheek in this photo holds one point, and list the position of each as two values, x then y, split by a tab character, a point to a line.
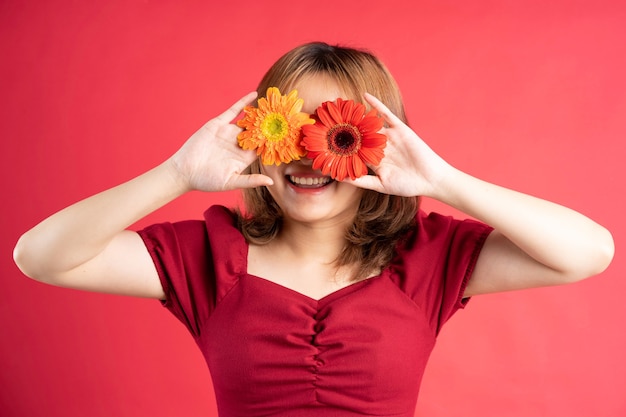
275	175
271	171
350	192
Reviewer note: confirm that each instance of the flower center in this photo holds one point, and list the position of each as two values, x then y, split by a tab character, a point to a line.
274	127
344	139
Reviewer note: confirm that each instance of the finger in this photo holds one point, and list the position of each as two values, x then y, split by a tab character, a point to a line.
236	108
387	114
368	182
253	180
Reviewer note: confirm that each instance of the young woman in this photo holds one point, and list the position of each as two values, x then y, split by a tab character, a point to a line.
325	296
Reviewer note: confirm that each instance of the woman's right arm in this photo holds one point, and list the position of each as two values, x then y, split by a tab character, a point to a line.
86	245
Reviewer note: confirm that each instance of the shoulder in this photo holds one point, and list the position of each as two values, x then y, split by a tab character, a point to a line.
437	231
221	225
197	233
220	215
434	263
204	256
439	245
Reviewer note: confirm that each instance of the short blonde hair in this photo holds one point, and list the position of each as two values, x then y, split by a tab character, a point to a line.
382	220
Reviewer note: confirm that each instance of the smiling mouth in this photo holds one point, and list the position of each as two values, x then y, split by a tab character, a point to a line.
309	182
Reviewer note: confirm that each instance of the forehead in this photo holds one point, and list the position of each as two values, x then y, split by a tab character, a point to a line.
316	89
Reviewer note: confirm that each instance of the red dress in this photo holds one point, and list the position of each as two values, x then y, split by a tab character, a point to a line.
275	352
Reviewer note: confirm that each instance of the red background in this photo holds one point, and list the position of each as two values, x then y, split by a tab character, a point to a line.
528	94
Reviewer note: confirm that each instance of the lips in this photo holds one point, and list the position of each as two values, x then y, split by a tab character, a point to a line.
309	182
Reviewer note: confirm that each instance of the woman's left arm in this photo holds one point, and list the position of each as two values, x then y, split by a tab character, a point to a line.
535	242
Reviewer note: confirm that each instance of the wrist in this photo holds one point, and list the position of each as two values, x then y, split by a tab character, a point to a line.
445	183
178	181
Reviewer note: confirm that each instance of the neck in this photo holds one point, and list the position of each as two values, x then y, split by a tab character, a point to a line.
318	242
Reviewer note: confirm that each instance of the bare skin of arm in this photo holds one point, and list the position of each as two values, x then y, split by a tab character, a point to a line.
87	245
535	242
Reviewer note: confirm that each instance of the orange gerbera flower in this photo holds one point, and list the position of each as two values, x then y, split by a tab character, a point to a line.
274	127
344	139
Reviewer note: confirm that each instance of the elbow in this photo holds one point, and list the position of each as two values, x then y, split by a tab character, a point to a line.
599	256
22	258
606	252
26	259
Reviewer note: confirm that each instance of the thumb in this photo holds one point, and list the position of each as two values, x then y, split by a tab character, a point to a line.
368	182
253	180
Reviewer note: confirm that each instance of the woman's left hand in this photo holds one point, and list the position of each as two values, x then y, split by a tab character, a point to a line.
410	167
535	242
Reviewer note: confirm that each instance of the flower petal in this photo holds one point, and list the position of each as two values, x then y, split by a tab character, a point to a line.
324	116
326	143
372	156
335	111
371	123
359	167
279	117
374	140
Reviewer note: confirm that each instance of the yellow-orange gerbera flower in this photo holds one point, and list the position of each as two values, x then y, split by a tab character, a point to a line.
343	139
274	127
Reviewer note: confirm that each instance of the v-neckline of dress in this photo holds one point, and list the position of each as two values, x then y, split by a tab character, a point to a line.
326	299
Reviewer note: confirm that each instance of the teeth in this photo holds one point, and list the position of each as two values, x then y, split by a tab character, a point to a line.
309	180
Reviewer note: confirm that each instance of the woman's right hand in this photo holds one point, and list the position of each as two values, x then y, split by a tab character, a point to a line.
211	159
86	245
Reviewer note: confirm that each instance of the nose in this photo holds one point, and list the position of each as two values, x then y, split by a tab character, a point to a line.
306	161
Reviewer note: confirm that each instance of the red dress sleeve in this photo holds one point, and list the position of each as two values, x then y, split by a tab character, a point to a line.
435	263
184	254
178	251
432	266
